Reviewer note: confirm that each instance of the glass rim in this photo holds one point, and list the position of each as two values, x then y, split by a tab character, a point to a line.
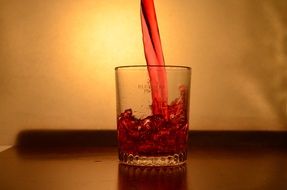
147	66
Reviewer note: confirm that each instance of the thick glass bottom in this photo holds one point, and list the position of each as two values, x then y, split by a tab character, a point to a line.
136	160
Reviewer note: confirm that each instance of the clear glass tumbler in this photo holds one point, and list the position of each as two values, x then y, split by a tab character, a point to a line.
152	114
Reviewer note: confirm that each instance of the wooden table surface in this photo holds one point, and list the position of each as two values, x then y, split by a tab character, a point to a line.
210	166
83	168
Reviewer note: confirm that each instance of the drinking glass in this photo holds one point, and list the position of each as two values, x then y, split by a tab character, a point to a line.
152	114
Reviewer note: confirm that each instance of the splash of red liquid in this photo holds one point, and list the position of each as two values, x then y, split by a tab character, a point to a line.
155	135
154	57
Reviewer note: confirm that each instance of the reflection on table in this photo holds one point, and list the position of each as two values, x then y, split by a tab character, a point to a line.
160	178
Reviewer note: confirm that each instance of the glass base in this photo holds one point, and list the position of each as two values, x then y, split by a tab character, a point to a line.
135	160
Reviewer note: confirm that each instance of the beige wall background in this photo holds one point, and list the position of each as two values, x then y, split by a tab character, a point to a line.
57	61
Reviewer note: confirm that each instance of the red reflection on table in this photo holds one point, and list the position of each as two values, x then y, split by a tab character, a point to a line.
165	178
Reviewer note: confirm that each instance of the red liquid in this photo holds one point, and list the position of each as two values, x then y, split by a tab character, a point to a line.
165	132
154	56
155	135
